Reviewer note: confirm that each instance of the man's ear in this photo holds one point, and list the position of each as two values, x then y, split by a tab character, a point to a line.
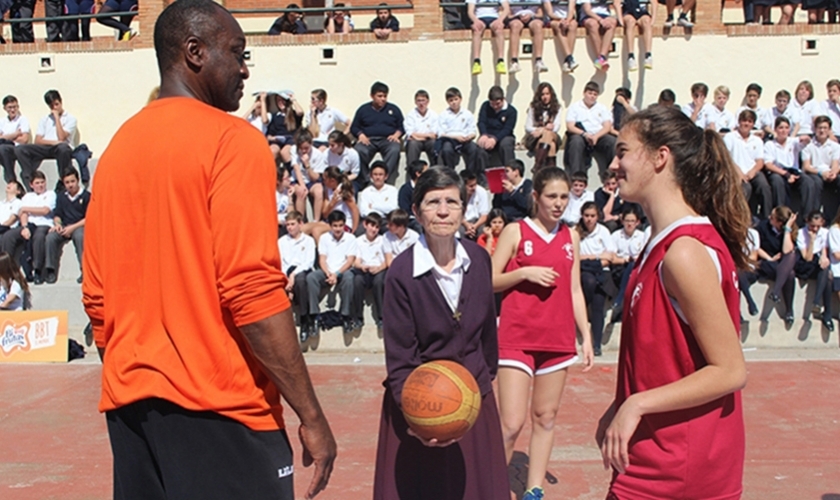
195	52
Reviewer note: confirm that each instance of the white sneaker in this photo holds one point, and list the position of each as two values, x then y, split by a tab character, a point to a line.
649	62
514	67
684	22
632	65
540	67
669	22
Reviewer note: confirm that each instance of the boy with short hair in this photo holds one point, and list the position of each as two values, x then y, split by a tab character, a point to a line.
413	171
781	161
486	17
831	107
420	129
369	271
515	198
68	224
384	23
782	108
821	160
747	151
588	126
718	118
399	236
477	207
751	98
336	255
578	195
297	257
456	127
698	108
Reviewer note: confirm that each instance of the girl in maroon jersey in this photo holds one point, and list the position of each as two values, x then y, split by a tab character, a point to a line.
675	429
537	266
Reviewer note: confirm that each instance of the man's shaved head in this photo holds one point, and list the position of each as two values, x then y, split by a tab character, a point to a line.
183	19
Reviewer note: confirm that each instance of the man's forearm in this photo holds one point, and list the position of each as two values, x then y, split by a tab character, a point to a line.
274	343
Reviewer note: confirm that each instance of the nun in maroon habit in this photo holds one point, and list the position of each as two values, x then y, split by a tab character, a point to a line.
438	304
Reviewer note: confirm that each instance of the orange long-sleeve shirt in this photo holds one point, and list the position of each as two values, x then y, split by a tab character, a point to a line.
180	250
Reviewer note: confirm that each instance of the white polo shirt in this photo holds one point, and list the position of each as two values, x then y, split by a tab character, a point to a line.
20	123
8	209
597	242
807	111
421	124
530	121
593	119
628	246
702	117
282	201
45	199
348	161
477	205
522	10
572	213
317	159
821	155
327	119
758	113
257	122
486	11
744	152
783	155
834	246
803	239
396	246
298	252
720	118
382	201
47	128
341	206
600	8
370	253
832	110
768	118
461	123
336	251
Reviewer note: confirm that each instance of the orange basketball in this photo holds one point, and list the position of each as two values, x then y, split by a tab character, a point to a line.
440	400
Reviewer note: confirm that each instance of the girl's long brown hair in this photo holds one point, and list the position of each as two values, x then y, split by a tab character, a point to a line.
709	180
344	182
10	271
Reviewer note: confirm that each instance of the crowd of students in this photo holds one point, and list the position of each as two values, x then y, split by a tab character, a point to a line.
787	156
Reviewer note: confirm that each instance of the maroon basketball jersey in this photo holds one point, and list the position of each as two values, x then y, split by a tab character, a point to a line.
534	317
687	454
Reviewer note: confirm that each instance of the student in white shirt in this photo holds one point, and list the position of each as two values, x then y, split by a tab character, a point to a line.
831	107
342	155
36	219
13	287
698	109
781	164
477	207
717	117
421	130
807	108
813	263
308	164
379	197
486	17
751	98
297	257
399	237
543	124
746	277
578	196
282	196
10	208
588	125
322	119
520	17
834	253
339	195
53	139
369	271
336	255
255	116
821	160
628	242
596	254
782	108
747	151
14	131
456	131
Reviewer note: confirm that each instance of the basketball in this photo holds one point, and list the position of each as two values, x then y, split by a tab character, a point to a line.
440	400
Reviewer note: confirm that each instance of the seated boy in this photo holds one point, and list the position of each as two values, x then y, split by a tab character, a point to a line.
369	271
751	103
336	254
297	257
698	108
520	17
384	23
600	29
456	128
768	119
490	17
781	161
635	13
577	197
414	170
477	208
747	153
718	118
399	236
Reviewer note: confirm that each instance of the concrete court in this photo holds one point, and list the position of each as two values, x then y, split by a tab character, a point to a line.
55	444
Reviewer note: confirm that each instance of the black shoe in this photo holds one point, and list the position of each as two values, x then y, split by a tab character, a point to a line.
828	323
347	324
30	278
753	309
775	298
79	279
304	332
51	277
596	351
38	280
89	335
789	321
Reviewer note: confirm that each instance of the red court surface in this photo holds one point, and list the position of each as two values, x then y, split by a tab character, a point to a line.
55	445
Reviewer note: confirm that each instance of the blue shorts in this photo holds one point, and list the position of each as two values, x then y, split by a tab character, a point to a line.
487	21
121	5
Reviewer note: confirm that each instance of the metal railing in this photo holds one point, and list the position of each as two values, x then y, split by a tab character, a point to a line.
69	17
323	10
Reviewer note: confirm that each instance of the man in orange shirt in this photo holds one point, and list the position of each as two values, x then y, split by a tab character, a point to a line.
184	290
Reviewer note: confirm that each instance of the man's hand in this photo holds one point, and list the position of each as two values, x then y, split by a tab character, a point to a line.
332	279
290	285
507	185
56	229
395	137
25	233
364	139
319	448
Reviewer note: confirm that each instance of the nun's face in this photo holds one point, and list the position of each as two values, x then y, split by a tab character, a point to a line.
440	212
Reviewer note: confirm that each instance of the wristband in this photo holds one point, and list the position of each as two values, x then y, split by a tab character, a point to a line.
788	230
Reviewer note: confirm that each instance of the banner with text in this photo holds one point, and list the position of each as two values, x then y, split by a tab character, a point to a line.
33	336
